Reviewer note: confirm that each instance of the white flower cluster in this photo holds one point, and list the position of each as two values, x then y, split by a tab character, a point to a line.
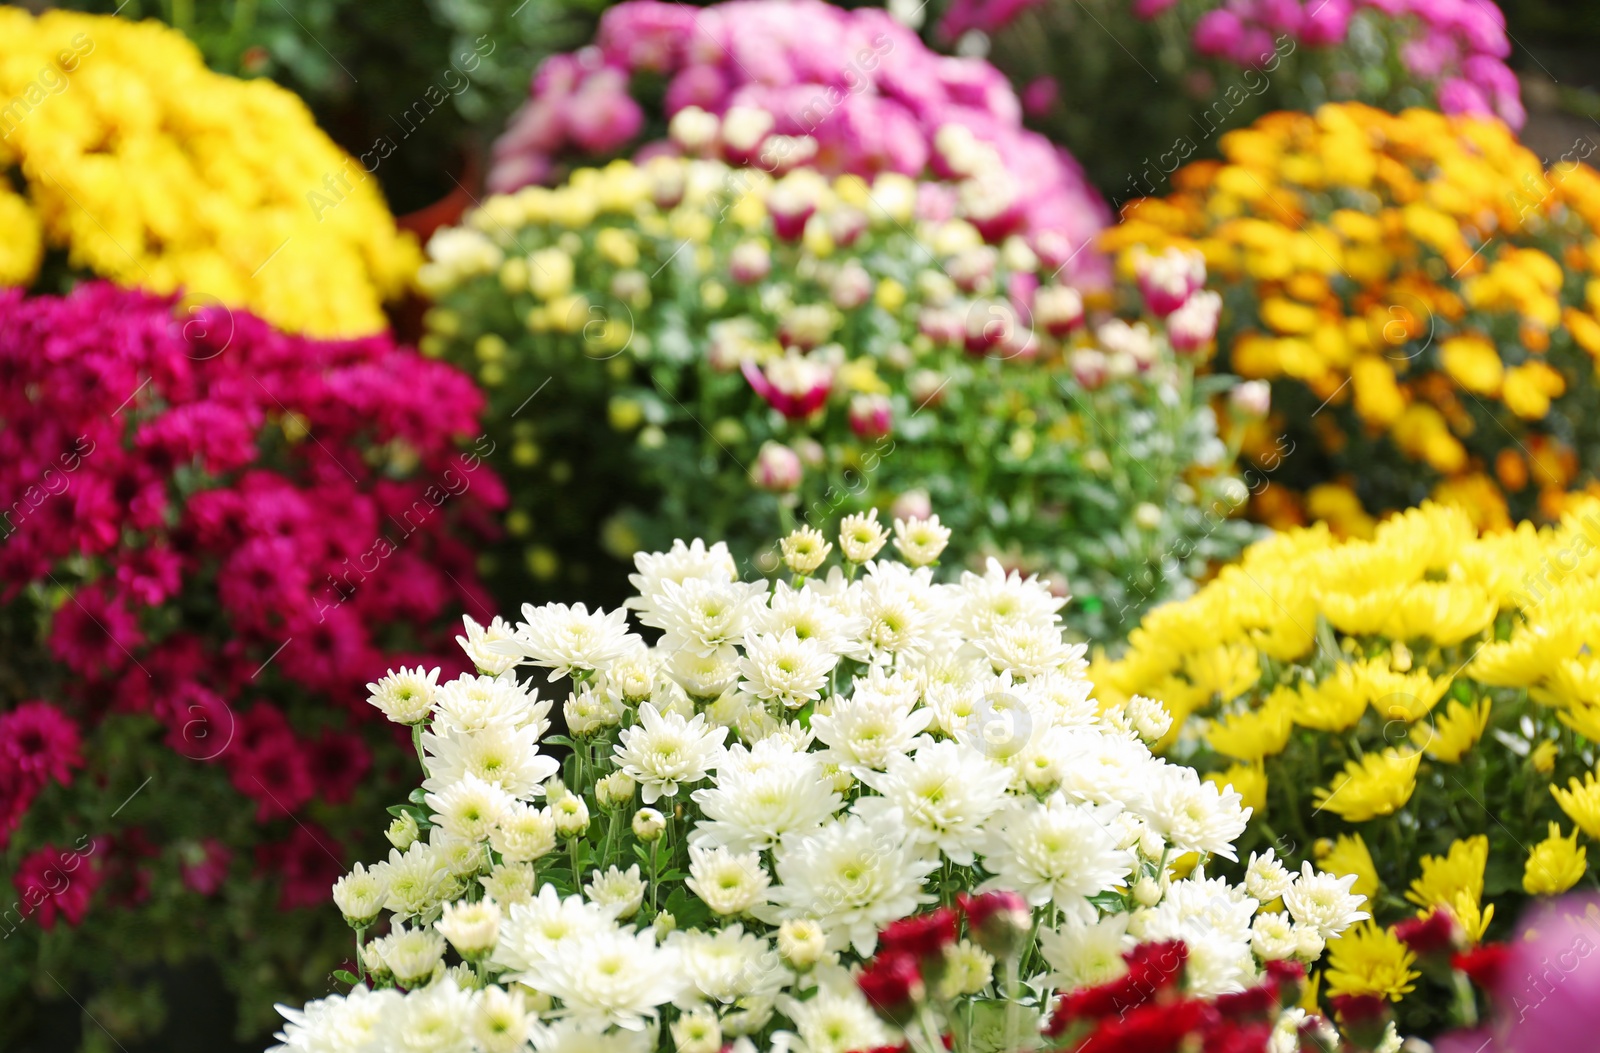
745	803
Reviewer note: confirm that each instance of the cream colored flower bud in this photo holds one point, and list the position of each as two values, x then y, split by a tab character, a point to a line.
648	824
801	943
472	928
572	815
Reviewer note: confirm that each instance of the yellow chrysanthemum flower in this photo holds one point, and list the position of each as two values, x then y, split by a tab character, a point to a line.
1368	960
1253	734
1348	854
1581	802
154	171
1555	864
1250	780
1460	869
1376	784
1448	737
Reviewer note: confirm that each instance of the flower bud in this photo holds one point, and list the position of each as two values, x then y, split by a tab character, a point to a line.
1089	368
403	831
1058	309
1167	280
801	943
913	504
697	1031
870	416
777	469
893	986
360	895
998	921
693	129
851	287
749	262
615	789
1192	327
648	824
572	815
1253	398
1147	891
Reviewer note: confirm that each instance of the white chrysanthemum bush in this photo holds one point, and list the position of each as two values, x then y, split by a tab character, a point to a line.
745	805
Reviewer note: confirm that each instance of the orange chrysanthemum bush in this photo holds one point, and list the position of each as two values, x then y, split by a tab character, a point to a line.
1421	292
1420	710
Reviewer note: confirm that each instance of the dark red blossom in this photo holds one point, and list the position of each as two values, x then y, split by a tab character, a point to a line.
1483	964
1153	973
893	986
1430	936
53	882
923	936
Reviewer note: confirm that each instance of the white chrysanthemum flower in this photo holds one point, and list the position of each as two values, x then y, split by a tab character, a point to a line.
967	970
727	965
680	564
501	1021
861	536
567	639
524	833
701	615
1218	965
406	696
905	612
434	1019
544	928
703	675
729	882
478	644
1265	877
1214	919
813	614
509	884
1083	954
360	895
1056	851
474	703
1272	936
611	977
507	757
411	954
762	795
996	599
588	711
471	928
461	857
416	879
742	713
920	541
805	549
786	668
697	1031
337	1023
572	1036
630	679
1195	816
469	808
1324	901
802	943
946	792
1148	718
619	891
1105	767
1067	696
663	752
864	731
1285	1036
837	1020
854	876
1027	651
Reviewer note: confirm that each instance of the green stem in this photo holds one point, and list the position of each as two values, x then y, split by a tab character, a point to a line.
1013	1006
361	957
416	744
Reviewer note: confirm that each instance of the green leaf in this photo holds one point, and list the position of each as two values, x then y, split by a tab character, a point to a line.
345	976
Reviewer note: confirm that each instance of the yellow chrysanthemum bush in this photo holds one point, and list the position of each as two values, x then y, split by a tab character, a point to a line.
1420	710
124	157
1421	292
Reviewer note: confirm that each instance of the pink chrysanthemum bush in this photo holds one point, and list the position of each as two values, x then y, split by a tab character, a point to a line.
208	530
796	82
1188	71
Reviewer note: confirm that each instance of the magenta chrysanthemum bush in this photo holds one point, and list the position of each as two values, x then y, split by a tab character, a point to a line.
797	82
1454	48
211	533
